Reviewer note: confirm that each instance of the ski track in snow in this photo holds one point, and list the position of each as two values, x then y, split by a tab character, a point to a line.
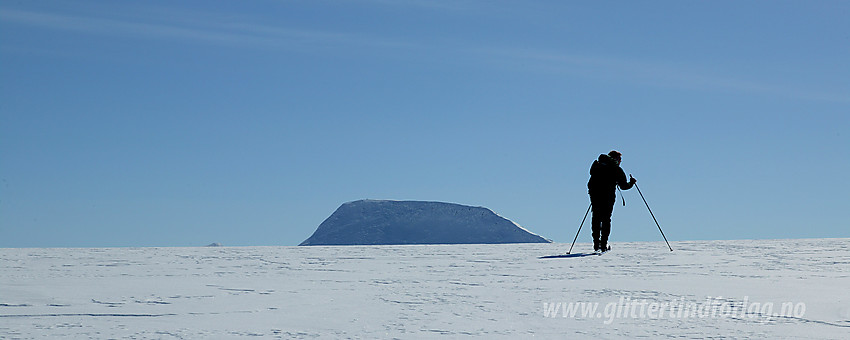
420	291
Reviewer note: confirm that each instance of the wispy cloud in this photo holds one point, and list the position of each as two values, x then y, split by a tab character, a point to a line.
454	5
245	33
114	27
227	34
648	73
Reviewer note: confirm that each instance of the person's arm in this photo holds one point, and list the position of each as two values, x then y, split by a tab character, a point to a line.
621	181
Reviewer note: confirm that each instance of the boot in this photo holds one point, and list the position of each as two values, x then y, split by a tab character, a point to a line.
596	245
603	246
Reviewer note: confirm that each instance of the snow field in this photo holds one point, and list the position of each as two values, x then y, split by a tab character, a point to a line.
426	291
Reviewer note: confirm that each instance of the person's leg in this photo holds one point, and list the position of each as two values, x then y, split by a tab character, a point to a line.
595	227
605	224
596	220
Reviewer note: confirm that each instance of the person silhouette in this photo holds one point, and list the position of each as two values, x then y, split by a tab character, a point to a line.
605	176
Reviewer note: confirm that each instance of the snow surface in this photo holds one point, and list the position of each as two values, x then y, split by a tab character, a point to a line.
421	291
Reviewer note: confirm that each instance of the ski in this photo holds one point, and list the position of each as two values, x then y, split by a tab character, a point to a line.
566	256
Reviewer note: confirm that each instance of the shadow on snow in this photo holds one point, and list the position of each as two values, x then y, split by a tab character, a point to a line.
563	256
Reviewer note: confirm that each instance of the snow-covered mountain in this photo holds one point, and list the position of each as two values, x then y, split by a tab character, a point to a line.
377	222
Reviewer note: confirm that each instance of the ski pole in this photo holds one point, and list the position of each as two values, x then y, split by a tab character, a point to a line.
653	215
579	228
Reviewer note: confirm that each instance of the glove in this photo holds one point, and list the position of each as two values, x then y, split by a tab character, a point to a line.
632	180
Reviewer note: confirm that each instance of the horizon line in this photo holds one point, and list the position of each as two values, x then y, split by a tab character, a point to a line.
428	244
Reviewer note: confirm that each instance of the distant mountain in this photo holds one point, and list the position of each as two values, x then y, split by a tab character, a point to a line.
373	222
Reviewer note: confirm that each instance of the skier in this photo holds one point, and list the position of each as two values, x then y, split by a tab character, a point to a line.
605	176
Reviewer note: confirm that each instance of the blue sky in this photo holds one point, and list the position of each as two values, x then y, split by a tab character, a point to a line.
164	123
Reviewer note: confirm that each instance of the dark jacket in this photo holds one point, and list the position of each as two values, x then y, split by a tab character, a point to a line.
605	175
